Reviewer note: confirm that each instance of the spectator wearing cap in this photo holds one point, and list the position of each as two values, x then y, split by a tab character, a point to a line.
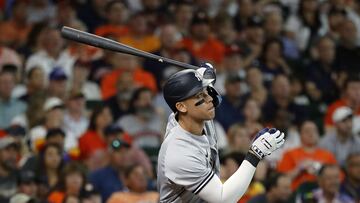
140	35
27	183
107	180
351	98
229	112
201	43
57	83
135	180
342	141
328	190
89	194
9	152
117	14
351	183
50	54
35	82
135	155
80	82
302	163
9	107
54	118
75	120
92	143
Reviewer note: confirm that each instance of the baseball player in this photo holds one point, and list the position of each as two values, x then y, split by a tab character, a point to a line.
188	162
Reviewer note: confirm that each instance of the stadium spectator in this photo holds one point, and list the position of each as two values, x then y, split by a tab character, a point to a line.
342	141
50	54
140	35
35	82
15	30
350	97
9	107
107	179
9	151
71	183
75	120
347	50
351	185
302	163
136	181
49	165
92	143
117	14
277	189
143	123
329	179
127	64
229	112
201	44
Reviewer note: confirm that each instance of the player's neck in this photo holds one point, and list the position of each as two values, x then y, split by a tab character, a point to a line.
192	126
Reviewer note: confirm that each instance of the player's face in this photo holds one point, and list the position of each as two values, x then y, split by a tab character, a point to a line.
200	106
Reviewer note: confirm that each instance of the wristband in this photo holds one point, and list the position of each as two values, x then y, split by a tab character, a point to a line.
252	158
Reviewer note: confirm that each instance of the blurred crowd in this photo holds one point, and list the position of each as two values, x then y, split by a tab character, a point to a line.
80	124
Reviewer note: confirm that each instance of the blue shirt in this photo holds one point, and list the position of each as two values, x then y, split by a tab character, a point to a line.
106	181
228	114
9	109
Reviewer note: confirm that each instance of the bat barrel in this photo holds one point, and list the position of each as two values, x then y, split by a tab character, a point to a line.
104	43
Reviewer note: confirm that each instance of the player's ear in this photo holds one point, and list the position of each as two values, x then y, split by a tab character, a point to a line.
181	107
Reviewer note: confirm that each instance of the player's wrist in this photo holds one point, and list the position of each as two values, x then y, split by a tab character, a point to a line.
252	158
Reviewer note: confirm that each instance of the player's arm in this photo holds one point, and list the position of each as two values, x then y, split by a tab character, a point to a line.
232	190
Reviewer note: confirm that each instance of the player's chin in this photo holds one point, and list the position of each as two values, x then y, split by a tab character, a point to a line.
211	114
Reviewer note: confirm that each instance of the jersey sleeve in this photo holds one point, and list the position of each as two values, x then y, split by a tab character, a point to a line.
186	165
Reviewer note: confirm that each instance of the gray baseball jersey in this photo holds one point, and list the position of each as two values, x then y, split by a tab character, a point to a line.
186	162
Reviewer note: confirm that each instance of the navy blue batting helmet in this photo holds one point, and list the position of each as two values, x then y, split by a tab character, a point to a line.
185	84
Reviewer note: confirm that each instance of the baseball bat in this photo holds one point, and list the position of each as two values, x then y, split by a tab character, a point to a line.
104	43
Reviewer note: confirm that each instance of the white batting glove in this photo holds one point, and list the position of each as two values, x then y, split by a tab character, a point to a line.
267	141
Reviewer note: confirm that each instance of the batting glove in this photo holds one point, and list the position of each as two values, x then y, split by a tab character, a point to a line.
267	141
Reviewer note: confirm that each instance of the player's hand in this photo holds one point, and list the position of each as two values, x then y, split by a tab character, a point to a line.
267	141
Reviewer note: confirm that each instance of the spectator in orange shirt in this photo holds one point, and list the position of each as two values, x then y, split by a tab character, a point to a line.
117	15
14	31
139	36
350	98
127	64
136	182
92	143
302	163
201	44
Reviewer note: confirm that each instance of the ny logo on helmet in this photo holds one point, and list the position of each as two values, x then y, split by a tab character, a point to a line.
198	75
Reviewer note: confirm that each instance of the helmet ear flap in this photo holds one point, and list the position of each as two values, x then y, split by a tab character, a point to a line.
215	95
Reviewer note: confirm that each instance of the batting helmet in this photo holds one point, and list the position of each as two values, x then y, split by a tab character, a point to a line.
186	83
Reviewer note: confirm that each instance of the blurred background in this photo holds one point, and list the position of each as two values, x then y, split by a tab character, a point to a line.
83	125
